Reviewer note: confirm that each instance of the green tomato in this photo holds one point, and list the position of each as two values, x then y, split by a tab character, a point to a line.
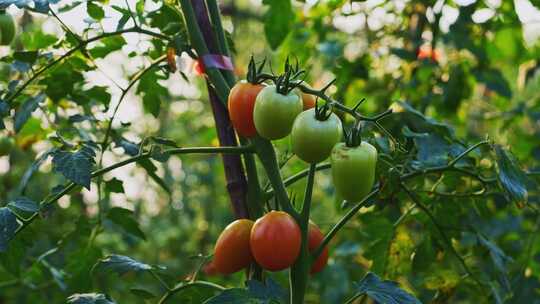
6	144
274	113
353	170
312	139
7	28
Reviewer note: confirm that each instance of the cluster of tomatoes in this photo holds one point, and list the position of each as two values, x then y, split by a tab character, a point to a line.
273	241
274	112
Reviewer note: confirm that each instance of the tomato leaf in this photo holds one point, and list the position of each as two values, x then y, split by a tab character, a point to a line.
89	298
124	218
108	45
114	185
120	264
387	292
76	166
8	226
24	204
512	179
268	292
32	169
233	296
143	293
278	21
95	11
25	111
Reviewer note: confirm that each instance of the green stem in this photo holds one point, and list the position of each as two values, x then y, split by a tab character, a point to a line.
178	288
298	176
328	237
255	199
197	40
146	155
267	156
299	274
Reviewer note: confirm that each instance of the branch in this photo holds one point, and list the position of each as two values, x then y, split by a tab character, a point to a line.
328	237
183	286
80	46
145	155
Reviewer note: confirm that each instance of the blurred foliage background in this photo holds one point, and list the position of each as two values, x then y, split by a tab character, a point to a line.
471	64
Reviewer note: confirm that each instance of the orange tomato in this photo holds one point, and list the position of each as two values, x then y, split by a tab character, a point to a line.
275	241
232	252
241	104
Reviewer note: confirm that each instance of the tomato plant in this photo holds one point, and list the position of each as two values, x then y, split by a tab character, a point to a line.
232	252
7	28
315	132
275	241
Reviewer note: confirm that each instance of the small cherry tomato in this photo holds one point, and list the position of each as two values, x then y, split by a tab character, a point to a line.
353	170
275	241
198	67
314	135
308	100
241	104
274	112
315	238
232	251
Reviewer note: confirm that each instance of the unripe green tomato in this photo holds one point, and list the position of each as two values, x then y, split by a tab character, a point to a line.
353	170
7	28
6	144
274	113
312	139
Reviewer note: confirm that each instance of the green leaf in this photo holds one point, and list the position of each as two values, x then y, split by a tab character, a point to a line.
124	218
95	11
120	264
89	298
387	292
512	179
76	166
278	21
268	292
152	91
24	204
143	293
494	80
25	111
28	56
233	296
499	258
108	45
8	226
170	21
36	40
32	169
114	185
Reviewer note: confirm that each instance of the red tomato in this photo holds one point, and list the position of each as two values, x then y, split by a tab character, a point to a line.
232	252
315	238
275	241
426	52
198	66
210	269
241	103
308	100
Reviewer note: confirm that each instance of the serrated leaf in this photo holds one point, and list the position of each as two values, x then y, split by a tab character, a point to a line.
8	226
25	111
278	21
387	292
510	176
233	296
31	170
89	298
24	204
76	166
114	185
124	218
120	264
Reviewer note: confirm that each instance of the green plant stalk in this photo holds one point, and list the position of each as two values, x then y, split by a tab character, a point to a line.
299	273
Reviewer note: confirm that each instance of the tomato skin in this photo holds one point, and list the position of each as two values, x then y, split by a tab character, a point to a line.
353	170
7	28
274	113
232	251
315	238
275	241
241	104
312	139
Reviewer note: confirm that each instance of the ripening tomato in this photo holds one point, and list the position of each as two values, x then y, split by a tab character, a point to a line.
171	59
274	112
7	28
241	104
198	66
315	238
210	269
353	170
275	241
426	52
313	136
232	252
308	100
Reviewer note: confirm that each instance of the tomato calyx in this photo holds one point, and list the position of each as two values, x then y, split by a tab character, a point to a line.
322	112
254	74
290	79
353	137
